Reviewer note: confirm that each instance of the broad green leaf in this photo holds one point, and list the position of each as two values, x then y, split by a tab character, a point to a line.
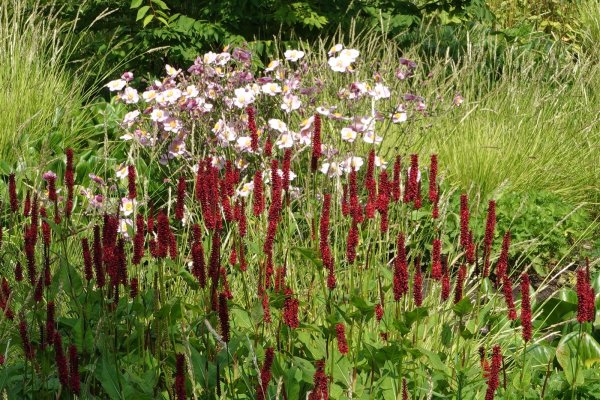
142	12
135	3
575	349
148	19
463	307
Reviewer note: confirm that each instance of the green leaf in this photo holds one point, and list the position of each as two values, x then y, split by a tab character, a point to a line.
142	12
135	3
463	307
189	279
148	19
575	349
161	4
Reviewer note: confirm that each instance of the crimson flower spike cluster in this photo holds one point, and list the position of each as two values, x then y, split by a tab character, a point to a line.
494	376
265	374
324	247
489	236
320	390
400	269
586	311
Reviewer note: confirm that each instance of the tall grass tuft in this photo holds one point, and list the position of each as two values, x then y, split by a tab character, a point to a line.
42	93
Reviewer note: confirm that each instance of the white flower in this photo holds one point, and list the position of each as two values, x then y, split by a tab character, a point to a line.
243	97
271	88
380	163
149	95
290	103
171	71
339	64
285	141
130	117
371	137
125	224
217	162
349	135
223	58
331	169
122	171
172	125
191	91
272	65
171	95
244	143
292	175
209	57
293	55
115	85
350	54
159	115
246	189
335	49
352	163
380	92
307	123
323	111
278	125
130	95
127	206
398	117
177	148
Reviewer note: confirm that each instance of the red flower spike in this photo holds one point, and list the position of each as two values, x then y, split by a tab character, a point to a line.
87	260
378	312
287	161
27	347
258	199
268	147
316	143
460	281
319	391
352	242
224	317
265	374
27	205
404	389
493	380
508	297
131	185
340	330
61	361
464	221
181	187
74	378
525	308
585	297
502	265
50	321
266	308
180	377
445	293
400	270
418	284
433	170
252	128
436	259
489	236
290	309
